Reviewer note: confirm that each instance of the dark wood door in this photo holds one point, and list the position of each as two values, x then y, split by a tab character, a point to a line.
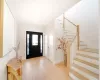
34	44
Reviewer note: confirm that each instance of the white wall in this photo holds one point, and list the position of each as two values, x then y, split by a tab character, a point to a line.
9	41
22	28
99	44
86	14
8	30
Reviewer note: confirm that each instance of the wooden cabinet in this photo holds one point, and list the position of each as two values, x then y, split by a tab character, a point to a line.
1	27
14	71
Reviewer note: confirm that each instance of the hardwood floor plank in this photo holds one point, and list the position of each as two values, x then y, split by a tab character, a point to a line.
42	69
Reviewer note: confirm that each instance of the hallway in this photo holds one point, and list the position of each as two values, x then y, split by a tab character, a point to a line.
62	32
42	69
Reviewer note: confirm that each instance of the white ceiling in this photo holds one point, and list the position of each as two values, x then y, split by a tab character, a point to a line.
39	12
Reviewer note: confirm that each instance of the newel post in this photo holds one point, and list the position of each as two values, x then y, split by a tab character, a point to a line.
68	57
78	37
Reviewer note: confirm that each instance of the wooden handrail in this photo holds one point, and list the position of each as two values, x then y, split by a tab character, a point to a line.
70	21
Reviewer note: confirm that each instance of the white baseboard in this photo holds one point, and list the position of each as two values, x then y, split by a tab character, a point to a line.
58	61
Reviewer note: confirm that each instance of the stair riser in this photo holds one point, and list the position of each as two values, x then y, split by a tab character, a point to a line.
87	67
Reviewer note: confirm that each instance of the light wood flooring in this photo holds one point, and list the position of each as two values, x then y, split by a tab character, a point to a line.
42	69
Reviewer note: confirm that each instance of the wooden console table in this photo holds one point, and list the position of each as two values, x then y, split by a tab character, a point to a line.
14	70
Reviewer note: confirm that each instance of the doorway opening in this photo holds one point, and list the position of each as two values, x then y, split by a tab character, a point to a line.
34	44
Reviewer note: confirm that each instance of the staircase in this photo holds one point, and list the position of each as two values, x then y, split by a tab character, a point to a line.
86	62
85	66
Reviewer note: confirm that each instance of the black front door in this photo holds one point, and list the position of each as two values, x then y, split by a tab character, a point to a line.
34	44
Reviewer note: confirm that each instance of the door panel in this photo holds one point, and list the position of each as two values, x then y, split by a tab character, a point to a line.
50	47
35	44
46	46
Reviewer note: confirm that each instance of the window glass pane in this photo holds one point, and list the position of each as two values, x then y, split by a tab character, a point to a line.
41	43
27	44
34	39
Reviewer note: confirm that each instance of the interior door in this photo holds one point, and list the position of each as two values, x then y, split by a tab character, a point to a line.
50	47
46	47
35	44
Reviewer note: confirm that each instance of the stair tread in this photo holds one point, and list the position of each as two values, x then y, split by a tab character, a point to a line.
87	63
86	71
90	50
88	59
87	66
87	56
87	52
81	77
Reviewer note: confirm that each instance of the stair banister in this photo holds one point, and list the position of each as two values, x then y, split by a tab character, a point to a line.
77	30
69	45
